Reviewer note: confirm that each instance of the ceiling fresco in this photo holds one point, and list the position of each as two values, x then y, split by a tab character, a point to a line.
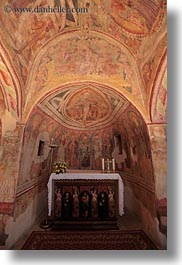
94	56
128	21
73	59
57	48
85	106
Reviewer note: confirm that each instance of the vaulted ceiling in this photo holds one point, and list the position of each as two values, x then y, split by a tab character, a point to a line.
85	106
120	44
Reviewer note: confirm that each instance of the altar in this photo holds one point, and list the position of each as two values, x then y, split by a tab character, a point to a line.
85	195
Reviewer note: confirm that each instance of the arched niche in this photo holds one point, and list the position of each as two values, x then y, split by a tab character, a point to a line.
80	115
83	148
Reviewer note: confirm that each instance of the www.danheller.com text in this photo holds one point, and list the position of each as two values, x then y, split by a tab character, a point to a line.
48	9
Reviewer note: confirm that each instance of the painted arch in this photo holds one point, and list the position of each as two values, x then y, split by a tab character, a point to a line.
71	58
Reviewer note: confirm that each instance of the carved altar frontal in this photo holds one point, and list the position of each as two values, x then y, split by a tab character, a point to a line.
85	200
75	183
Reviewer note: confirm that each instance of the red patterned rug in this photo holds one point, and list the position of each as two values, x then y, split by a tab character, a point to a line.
89	240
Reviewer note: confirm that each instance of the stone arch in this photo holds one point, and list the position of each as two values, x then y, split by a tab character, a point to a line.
76	84
156	89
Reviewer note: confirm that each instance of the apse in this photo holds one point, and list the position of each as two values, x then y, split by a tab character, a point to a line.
87	122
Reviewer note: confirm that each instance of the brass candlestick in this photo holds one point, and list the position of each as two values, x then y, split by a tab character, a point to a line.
106	168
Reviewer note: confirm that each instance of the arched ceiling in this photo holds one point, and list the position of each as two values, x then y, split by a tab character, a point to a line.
85	106
70	58
159	101
139	26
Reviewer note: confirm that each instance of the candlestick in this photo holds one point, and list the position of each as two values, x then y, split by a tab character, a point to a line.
113	165
102	164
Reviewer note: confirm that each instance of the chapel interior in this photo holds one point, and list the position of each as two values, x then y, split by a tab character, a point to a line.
94	84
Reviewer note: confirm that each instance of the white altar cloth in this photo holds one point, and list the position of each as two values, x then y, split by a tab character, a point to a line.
96	176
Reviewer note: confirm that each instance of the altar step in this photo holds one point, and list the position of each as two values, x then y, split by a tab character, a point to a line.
89	226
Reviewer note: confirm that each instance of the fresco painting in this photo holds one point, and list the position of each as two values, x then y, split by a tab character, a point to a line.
10	142
7	84
159	113
84	149
90	58
94	84
9	168
158	137
84	106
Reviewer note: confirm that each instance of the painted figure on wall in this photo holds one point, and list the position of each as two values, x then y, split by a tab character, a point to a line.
134	153
31	130
159	112
125	146
72	151
84	107
107	145
126	134
97	151
62	144
159	150
85	151
3	162
119	153
142	144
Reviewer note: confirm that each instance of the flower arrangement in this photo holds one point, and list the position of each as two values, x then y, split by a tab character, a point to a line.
60	167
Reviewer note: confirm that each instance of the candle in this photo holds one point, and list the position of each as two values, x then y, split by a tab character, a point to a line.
102	164
113	164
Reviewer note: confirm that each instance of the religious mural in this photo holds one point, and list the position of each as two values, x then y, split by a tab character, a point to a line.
94	84
10	141
124	20
158	136
94	57
134	154
126	140
8	86
160	111
84	106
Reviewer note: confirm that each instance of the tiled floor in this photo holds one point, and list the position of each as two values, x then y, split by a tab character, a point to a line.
126	222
